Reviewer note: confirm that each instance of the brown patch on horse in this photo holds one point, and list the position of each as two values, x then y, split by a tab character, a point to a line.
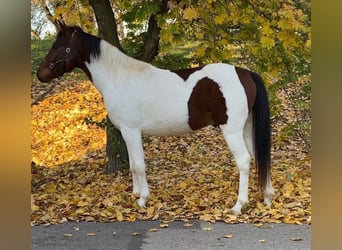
248	84
185	73
206	105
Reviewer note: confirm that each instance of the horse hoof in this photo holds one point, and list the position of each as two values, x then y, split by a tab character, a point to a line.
142	202
235	212
267	202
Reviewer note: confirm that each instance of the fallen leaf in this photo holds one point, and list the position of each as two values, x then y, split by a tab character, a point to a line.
91	234
119	216
68	235
295	239
135	233
228	236
164	225
150	210
207	228
152	230
262	241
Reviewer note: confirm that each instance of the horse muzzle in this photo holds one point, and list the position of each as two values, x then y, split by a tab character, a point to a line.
44	73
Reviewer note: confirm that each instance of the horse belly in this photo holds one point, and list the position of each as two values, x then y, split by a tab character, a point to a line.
165	118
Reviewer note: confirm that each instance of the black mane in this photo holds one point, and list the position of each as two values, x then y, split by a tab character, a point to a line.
90	42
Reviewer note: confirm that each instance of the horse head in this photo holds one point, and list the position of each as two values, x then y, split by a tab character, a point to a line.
64	55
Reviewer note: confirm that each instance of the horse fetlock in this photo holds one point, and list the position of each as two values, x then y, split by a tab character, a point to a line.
142	201
236	210
268	198
268	194
136	190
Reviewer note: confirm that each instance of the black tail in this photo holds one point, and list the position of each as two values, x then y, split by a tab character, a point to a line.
261	131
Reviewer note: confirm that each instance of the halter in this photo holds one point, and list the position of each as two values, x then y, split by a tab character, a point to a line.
63	59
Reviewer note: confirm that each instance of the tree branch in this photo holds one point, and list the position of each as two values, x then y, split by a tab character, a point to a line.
151	41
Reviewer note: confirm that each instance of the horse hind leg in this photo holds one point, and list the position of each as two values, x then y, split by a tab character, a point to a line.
248	138
236	143
248	134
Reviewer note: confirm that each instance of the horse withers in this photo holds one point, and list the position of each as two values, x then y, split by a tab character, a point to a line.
141	98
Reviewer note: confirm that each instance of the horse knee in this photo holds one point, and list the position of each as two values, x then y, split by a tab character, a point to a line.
139	168
243	164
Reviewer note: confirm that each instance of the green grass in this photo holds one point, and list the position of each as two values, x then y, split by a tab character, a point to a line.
39	49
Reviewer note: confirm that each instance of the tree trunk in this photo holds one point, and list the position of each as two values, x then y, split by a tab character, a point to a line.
115	148
107	28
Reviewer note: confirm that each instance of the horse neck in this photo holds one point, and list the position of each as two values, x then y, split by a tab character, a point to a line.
112	66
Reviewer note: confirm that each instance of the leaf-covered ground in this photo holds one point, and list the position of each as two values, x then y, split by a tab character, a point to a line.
190	176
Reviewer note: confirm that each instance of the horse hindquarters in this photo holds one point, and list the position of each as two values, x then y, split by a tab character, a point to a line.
247	134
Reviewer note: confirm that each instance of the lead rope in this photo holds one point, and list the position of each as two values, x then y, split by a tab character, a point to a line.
42	96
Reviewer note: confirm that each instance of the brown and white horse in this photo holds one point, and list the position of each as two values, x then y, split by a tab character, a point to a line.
141	98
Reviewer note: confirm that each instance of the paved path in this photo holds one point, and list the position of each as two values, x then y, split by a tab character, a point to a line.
142	235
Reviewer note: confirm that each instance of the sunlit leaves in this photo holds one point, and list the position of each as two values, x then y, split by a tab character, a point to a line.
190	14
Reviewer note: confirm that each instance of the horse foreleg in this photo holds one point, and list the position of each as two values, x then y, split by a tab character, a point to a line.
137	163
242	157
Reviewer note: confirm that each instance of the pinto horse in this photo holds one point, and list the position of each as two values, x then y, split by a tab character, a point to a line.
141	98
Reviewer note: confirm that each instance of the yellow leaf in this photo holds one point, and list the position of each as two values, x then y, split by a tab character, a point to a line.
183	185
82	203
200	52
207	228
164	225
220	19
190	14
228	236
119	216
150	210
166	37
152	230
199	35
131	218
91	234
267	42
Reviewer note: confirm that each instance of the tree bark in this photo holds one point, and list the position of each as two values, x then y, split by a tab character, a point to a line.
107	27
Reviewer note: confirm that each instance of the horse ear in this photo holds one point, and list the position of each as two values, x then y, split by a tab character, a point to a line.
60	24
